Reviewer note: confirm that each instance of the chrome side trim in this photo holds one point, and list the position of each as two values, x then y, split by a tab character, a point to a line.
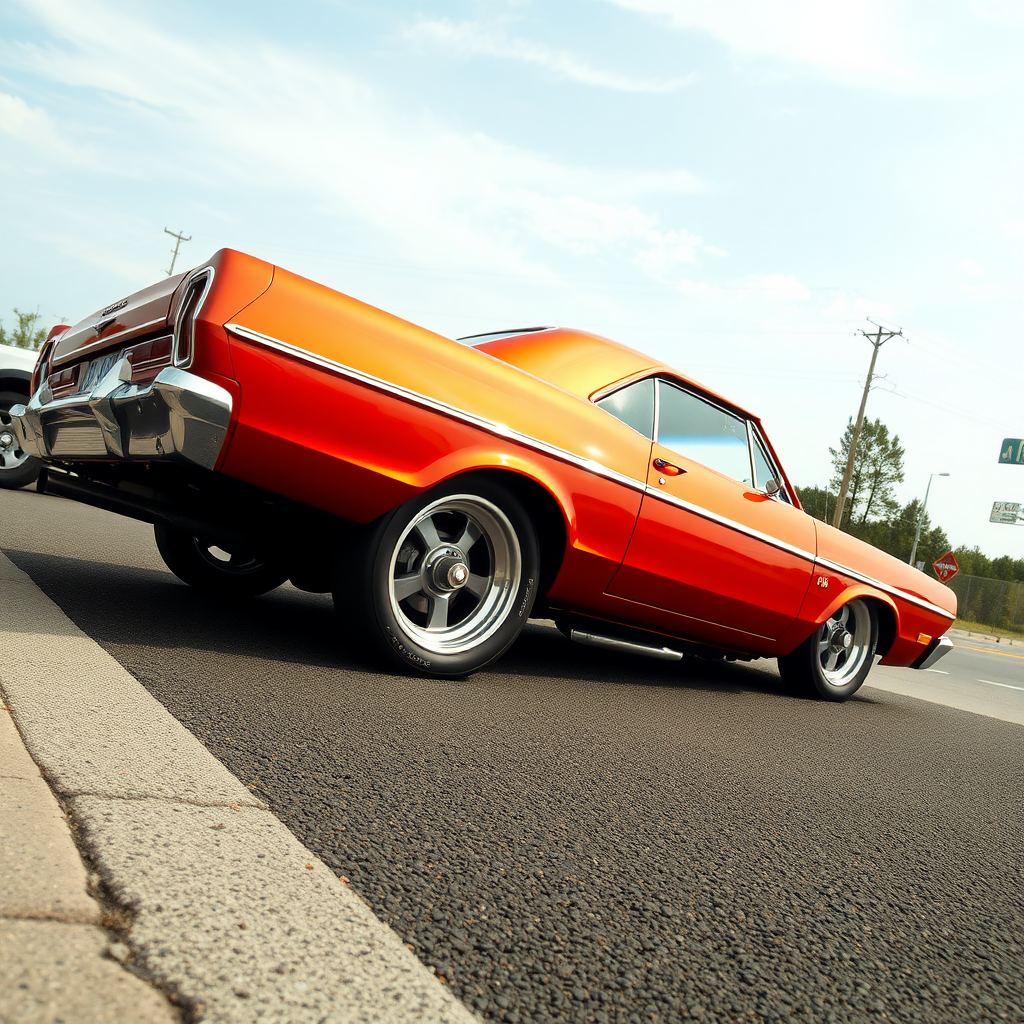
893	591
613	644
936	649
378	384
588	465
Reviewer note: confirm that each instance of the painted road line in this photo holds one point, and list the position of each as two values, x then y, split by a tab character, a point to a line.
1006	685
987	650
937	671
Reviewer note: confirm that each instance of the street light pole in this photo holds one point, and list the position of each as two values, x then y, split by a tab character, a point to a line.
920	518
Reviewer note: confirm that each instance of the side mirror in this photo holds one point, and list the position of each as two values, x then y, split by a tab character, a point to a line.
772	488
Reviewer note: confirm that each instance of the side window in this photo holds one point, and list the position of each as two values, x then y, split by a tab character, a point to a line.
762	467
703	432
766	471
634	405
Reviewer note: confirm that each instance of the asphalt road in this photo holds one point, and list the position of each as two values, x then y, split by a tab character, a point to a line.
977	675
574	836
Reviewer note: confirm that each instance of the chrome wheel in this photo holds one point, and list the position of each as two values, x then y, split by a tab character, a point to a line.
845	643
454	573
12	455
17	467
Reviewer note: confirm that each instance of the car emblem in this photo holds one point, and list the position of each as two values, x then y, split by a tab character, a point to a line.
116	306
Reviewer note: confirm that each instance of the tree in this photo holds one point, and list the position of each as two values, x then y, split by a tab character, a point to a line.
818	502
27	334
896	534
877	466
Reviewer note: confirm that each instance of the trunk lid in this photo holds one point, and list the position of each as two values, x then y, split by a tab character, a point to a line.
112	327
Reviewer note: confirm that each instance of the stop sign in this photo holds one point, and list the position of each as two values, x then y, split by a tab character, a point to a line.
946	567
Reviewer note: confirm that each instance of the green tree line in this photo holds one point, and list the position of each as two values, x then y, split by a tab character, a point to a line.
873	514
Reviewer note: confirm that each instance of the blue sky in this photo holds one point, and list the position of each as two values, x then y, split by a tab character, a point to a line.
733	187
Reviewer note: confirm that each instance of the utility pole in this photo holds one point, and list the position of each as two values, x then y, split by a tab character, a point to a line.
179	238
878	339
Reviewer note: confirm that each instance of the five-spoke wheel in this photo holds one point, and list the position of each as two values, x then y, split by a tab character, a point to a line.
834	661
443	584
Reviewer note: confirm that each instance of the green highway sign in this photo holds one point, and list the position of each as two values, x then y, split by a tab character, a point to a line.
1009	512
1012	451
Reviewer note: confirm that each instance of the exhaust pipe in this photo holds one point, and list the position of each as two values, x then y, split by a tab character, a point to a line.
614	644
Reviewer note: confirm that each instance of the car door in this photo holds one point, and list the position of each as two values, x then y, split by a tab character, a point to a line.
709	542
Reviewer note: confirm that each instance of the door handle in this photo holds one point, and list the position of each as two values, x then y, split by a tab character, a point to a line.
668	468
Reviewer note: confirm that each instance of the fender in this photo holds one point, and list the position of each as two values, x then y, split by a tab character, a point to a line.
822	601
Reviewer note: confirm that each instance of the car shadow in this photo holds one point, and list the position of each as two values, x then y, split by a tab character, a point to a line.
122	606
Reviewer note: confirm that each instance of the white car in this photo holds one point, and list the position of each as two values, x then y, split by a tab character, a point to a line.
17	467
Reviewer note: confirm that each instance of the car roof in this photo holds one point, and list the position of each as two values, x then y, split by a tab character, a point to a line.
581	363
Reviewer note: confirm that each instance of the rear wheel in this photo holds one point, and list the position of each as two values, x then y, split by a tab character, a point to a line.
232	571
442	585
17	467
834	661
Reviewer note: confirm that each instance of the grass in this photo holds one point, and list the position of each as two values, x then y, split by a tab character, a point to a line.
978	627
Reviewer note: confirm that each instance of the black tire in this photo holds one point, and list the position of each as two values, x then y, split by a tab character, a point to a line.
17	467
210	567
833	662
442	585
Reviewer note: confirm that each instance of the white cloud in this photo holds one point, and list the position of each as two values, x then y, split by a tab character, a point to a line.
666	249
779	288
702	290
972	269
1003	12
851	41
755	291
34	129
226	117
857	308
471	38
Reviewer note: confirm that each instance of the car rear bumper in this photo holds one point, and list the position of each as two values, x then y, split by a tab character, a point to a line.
178	417
936	649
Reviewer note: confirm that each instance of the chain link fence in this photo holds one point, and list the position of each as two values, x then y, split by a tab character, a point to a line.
989	602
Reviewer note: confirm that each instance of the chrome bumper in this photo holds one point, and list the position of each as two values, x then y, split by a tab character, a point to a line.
178	417
936	649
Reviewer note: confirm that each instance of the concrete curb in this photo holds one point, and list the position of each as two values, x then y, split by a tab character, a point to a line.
231	914
973	635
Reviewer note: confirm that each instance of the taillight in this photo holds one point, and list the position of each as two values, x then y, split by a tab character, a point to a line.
148	359
42	367
185	322
63	382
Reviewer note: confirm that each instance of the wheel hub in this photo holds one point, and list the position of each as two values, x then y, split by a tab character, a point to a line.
7	440
449	571
840	640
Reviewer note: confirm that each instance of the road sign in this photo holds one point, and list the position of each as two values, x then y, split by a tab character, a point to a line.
1011	451
1006	512
946	567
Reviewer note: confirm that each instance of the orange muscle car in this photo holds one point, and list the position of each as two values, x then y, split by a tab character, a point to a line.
273	429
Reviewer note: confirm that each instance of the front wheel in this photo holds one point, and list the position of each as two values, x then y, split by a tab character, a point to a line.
207	565
834	661
17	467
442	585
